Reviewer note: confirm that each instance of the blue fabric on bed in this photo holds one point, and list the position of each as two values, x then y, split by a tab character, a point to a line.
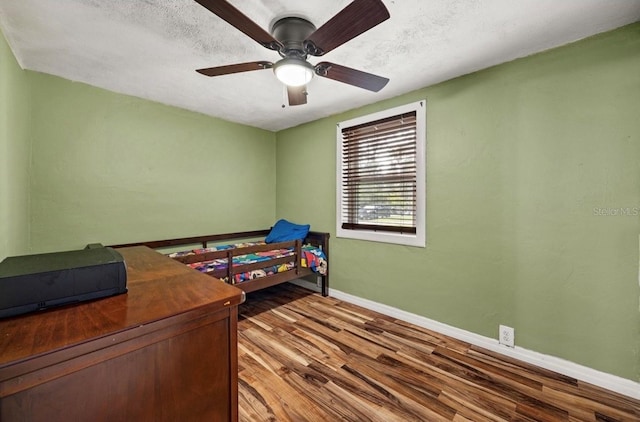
284	231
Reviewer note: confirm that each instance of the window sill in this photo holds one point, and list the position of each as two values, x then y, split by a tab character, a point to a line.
384	237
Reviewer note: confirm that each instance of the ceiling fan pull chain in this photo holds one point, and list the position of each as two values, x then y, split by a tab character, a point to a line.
285	96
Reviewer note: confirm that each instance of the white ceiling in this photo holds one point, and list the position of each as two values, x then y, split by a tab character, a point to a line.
151	48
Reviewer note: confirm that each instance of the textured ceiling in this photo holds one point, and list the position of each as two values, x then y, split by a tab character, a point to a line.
151	48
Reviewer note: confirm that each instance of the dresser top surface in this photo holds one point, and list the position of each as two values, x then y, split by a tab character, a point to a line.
158	288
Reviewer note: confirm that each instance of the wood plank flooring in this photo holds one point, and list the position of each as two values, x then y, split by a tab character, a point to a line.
303	357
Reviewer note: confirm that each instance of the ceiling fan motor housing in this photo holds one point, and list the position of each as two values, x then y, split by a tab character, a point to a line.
291	32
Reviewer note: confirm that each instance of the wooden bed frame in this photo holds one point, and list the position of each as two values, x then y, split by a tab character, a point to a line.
318	239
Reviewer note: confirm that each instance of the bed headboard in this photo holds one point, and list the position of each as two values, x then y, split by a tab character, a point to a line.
319	239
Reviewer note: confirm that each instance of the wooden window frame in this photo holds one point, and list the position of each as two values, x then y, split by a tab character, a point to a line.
381	233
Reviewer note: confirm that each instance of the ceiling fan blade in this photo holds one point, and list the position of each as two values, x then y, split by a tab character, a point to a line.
234	68
236	18
353	20
297	95
351	76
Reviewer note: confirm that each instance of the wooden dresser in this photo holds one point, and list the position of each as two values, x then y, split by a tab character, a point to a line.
164	351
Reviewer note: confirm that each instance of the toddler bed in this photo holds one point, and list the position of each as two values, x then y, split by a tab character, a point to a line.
255	264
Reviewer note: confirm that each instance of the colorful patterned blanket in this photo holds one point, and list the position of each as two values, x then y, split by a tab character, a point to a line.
312	257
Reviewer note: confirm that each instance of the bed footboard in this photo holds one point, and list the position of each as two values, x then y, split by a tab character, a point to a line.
317	239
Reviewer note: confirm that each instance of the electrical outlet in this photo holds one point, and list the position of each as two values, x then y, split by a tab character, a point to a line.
506	336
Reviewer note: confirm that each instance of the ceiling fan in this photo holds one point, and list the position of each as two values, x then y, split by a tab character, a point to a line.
295	38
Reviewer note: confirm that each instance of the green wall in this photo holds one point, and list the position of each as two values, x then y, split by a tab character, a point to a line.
14	155
523	160
111	168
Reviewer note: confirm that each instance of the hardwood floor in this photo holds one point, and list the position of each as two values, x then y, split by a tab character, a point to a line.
303	357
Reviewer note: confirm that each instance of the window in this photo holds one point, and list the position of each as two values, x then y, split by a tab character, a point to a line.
381	176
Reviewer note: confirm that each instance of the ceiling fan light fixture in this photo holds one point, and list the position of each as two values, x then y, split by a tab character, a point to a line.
293	72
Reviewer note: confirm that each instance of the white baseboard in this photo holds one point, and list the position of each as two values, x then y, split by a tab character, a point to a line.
602	379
